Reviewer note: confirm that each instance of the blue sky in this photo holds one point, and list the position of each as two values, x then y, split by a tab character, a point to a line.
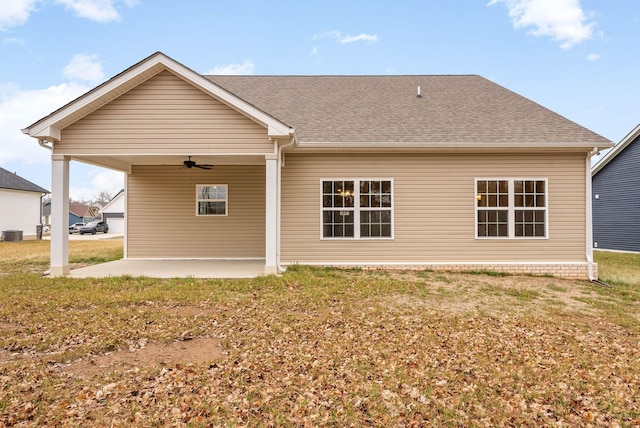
576	57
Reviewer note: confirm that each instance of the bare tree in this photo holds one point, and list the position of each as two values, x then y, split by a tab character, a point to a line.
102	197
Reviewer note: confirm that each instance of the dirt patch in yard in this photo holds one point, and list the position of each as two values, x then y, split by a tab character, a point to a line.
185	352
463	293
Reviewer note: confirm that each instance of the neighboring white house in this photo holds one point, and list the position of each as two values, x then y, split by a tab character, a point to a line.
20	204
113	213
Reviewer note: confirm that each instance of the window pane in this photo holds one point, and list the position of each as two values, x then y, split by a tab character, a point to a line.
530	223
493	223
337	224
528	229
385	216
540	201
504	186
327	187
326	201
364	187
518	200
540	186
348	232
364	200
386	187
517	186
211	208
386	230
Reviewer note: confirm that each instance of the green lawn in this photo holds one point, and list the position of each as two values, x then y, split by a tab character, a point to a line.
318	347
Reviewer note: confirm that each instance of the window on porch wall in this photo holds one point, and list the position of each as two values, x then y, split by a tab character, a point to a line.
211	199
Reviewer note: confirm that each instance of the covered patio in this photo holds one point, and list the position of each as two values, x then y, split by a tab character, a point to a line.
202	167
173	269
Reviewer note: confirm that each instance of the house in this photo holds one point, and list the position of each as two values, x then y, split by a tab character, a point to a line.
79	212
616	196
20	204
113	213
439	172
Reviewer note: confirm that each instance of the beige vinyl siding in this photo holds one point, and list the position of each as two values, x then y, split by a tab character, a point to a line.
164	115
434	208
162	221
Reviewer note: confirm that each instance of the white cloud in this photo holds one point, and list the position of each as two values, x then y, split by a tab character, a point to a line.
85	68
15	12
97	10
593	57
343	39
562	20
246	67
360	37
97	180
13	41
20	108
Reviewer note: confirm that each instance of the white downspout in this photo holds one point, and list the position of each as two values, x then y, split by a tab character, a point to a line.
589	215
281	269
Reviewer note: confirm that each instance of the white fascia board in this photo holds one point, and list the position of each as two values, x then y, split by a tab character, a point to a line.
631	136
452	145
46	127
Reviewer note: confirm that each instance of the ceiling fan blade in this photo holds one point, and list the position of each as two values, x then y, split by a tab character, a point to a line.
203	166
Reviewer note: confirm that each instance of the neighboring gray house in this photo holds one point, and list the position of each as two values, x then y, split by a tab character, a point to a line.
616	196
20	204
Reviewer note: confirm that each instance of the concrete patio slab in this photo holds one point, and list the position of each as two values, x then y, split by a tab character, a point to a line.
173	269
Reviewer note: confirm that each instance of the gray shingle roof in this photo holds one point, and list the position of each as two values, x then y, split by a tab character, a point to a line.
9	180
452	109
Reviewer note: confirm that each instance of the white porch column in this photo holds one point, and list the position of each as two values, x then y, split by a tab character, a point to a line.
271	215
59	216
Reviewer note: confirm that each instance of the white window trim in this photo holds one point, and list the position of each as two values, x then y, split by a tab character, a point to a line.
356	210
225	200
512	208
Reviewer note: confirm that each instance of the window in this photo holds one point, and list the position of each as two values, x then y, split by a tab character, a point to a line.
511	208
357	208
211	199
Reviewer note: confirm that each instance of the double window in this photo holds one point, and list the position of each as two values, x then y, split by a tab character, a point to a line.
357	208
211	199
511	208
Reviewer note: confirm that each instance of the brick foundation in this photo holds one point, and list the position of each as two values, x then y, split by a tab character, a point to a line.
560	270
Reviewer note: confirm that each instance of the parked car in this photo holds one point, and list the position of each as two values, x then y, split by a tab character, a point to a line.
75	227
93	227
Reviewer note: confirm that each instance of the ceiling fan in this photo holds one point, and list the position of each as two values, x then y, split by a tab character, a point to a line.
192	164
